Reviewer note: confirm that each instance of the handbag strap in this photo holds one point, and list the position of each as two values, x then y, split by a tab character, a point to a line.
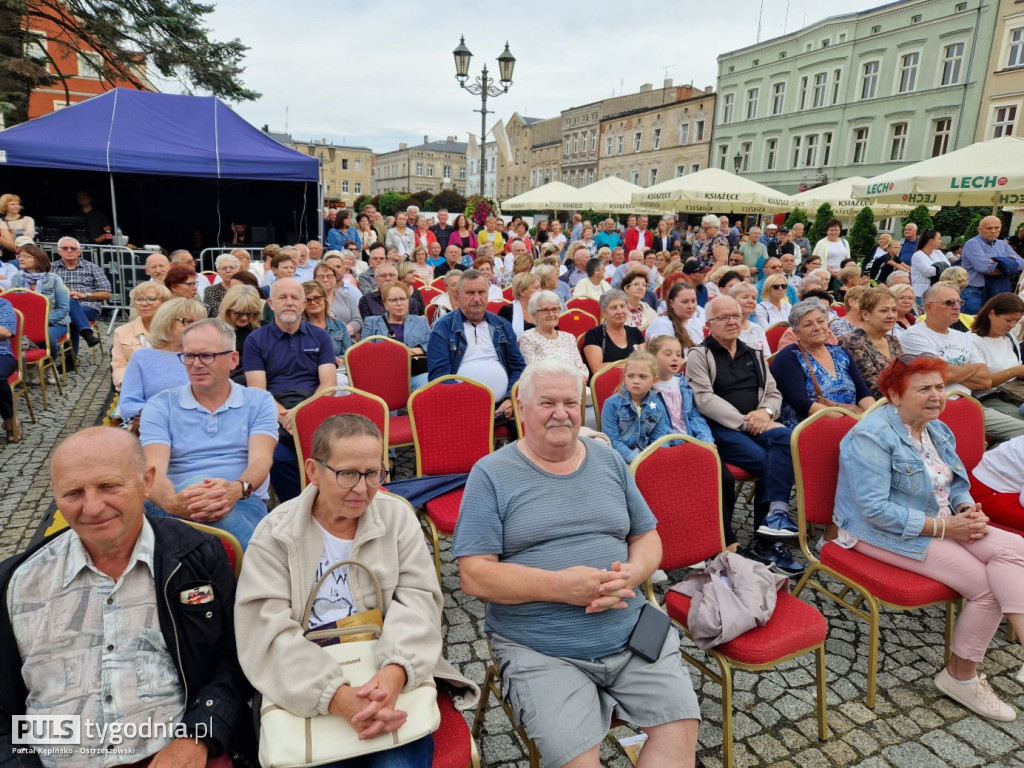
810	369
316	588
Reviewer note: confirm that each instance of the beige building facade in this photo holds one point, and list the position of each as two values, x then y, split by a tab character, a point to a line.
432	166
646	145
514	173
346	172
1002	101
545	151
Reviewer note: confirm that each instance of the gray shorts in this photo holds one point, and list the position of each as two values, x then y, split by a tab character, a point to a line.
566	705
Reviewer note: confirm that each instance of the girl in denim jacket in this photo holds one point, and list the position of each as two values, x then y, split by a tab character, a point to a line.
635	417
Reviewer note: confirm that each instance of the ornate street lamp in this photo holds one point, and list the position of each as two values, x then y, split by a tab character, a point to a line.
737	161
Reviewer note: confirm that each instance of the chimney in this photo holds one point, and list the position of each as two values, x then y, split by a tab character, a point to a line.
402	145
451	138
668	82
426	139
646	87
709	89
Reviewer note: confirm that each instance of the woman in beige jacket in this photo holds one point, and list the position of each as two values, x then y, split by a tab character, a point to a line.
339	516
145	299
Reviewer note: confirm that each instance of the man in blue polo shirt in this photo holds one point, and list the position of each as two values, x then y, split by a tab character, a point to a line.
211	441
292	360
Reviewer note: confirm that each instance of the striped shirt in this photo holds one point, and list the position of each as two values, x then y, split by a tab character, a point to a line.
86	278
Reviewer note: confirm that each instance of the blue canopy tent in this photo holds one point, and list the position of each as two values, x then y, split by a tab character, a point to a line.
133	137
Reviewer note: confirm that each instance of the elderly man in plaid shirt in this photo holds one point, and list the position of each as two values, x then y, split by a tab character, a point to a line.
89	288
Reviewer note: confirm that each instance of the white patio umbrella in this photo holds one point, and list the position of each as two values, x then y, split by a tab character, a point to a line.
839	194
714	191
985	173
554	194
613	195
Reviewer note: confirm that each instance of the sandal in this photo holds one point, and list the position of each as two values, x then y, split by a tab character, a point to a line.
13	428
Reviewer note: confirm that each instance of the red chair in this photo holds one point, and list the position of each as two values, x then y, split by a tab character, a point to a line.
232	547
494	306
508	295
35	309
965	416
576	322
774	333
429	294
210	276
16	381
815	447
430	312
590	306
382	367
692	531
839	309
438	283
453	745
603	385
314	411
452	428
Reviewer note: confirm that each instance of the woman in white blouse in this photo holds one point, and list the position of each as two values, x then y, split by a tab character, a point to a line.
545	341
993	325
832	249
927	263
401	237
751	334
773	307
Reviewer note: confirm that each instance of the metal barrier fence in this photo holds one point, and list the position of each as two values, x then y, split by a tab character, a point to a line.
208	256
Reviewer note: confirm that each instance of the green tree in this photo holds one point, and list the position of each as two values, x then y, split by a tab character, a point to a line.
450	200
821	218
921	217
863	235
954	219
798	216
169	37
388	202
971	230
360	202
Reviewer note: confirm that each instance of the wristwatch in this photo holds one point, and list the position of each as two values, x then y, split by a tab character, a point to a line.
769	410
246	488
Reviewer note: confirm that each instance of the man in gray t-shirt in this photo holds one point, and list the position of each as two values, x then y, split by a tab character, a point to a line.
555	535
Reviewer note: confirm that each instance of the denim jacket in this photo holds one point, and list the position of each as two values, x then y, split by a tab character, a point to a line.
884	492
631	429
448	345
337	239
696	426
53	288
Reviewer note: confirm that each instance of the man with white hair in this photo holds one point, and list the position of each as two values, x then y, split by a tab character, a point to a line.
304	268
316	251
157	266
227	266
734	238
608	236
754	251
562	600
897	278
88	286
801	242
981	258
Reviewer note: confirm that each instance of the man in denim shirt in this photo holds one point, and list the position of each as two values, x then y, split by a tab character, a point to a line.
477	344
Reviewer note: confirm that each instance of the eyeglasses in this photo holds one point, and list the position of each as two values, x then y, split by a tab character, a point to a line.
206	358
353	249
314	299
349	478
725	319
240	315
191	284
186	321
548	310
397	300
778	287
908	359
949	303
146	300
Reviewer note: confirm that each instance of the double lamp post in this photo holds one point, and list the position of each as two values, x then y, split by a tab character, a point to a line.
483	87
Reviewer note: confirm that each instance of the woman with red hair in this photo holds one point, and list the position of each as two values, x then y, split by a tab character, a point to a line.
904	499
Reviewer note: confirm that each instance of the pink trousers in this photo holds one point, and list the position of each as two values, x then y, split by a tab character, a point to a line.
988	572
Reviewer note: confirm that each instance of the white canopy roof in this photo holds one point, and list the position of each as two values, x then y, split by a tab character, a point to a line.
714	190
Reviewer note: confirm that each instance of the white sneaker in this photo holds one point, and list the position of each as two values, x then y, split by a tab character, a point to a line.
1020	676
978	698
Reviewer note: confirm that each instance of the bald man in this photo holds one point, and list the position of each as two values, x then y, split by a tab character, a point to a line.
986	258
292	360
157	266
141	608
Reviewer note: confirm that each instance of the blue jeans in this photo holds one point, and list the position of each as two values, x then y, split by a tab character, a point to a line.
284	472
56	331
973	298
766	455
240	522
80	317
415	754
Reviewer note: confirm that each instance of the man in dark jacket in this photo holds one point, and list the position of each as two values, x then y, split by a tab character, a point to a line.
123	621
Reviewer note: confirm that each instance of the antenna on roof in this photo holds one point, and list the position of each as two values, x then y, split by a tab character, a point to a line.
785	19
286	119
760	17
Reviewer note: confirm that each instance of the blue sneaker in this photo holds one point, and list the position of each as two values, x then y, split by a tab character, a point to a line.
778	559
777	525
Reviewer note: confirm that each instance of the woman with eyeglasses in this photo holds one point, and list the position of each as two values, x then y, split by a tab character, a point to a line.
34	275
318	313
615	339
242	309
993	338
773	307
400	324
300	549
904	499
640	314
906	317
544	341
343	305
155	368
129	338
182	281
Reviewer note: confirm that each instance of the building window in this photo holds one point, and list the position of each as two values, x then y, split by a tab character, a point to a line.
419	169
952	60
358	187
566	151
825	43
860	145
796	152
771	151
638	139
915	19
344	164
590	176
430	170
752	98
727	102
359	165
1016	58
826	148
533	179
778	98
876	29
940	136
344	187
680	171
1005	122
869	81
745	154
619	144
446	172
694	167
820	86
811	150
684	133
908	71
836	78
593	141
723	155
657	138
803	92
699	131
462	174
608	146
635	178
90	64
576	144
653	177
898	145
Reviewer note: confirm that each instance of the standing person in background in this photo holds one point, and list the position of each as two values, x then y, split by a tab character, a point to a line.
557	238
401	237
13	224
927	263
96	221
832	249
343	233
490	235
802	243
442	230
908	245
982	255
608	236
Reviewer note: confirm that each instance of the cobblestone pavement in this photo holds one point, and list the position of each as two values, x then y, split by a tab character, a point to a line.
910	727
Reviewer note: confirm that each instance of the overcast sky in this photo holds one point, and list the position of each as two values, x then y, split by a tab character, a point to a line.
374	74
